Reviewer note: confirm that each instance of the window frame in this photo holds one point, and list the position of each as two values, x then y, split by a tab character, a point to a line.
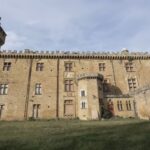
36	110
38	89
83	105
1	110
132	84
6	66
68	85
68	66
102	66
120	105
82	93
68	102
39	66
128	105
129	66
4	89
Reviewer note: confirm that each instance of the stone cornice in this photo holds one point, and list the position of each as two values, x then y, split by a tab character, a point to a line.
90	76
118	96
28	54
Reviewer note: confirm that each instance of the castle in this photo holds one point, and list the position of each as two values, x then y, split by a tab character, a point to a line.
86	85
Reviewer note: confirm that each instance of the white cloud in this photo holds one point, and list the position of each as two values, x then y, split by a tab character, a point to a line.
14	41
79	24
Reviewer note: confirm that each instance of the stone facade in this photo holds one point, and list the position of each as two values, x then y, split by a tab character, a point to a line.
88	86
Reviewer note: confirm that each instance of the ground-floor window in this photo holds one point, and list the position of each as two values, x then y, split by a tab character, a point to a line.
35	110
83	104
68	108
128	105
119	105
1	110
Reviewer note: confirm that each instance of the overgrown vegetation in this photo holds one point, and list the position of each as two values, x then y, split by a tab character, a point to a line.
127	134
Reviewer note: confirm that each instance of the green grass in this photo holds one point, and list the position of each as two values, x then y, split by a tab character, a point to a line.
75	135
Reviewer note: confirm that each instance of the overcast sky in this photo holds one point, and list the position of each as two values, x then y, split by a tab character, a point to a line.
107	25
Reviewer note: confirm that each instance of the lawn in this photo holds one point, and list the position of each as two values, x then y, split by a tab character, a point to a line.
128	134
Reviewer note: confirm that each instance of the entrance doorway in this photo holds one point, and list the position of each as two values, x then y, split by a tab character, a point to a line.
68	108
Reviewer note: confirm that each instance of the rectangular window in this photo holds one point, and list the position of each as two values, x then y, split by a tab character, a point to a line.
38	89
101	66
6	66
1	110
68	67
128	105
35	111
129	66
83	104
132	84
119	105
39	66
82	93
68	85
68	108
3	89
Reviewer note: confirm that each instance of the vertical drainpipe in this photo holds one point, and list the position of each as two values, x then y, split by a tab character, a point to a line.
113	73
135	105
28	89
57	92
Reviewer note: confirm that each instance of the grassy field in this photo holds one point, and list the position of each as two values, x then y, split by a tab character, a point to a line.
75	135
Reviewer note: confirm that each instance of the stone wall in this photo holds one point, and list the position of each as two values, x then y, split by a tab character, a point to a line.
21	102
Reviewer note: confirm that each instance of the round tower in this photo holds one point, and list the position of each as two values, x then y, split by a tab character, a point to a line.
89	95
2	35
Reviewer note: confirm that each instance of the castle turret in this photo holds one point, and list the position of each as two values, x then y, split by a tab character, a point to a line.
89	95
2	36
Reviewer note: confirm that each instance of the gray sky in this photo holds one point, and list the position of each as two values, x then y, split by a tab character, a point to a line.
107	25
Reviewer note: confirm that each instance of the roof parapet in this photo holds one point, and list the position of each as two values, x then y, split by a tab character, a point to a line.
88	53
76	54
